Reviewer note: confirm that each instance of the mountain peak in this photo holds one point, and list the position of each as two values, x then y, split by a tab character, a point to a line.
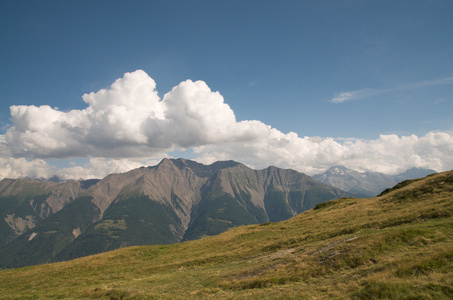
199	169
413	173
339	170
368	183
165	161
224	164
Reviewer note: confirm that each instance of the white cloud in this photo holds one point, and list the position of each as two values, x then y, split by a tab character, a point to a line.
131	126
99	168
127	120
11	167
388	154
21	167
354	95
416	85
365	93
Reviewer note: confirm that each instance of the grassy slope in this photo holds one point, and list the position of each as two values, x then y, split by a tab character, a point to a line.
396	246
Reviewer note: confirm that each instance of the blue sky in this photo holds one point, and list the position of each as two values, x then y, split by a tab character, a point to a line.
347	70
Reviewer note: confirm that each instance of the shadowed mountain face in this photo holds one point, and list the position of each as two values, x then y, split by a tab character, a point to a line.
367	184
174	201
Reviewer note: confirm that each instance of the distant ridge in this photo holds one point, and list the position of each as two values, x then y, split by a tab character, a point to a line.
176	200
367	184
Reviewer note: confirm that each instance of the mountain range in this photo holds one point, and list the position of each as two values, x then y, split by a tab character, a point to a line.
368	184
176	200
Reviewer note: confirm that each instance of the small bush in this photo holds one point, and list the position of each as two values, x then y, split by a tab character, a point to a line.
325	204
402	290
267	223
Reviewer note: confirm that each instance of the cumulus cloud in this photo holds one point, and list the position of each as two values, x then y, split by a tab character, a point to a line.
132	126
127	120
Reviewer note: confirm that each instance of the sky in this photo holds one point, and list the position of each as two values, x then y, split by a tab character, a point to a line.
89	88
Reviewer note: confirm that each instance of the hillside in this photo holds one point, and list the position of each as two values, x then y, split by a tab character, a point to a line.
177	200
396	246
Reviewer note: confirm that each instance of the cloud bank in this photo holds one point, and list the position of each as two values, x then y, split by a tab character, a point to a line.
129	125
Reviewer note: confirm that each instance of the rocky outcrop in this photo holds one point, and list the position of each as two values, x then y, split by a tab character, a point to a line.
18	224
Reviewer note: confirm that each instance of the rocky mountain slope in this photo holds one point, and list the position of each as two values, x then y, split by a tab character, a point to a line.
176	200
367	184
25	203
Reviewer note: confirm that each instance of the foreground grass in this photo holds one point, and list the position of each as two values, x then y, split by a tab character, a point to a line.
397	246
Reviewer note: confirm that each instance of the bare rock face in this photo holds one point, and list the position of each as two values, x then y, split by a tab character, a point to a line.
62	194
108	189
19	224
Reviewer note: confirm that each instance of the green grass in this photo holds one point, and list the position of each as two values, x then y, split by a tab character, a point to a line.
397	246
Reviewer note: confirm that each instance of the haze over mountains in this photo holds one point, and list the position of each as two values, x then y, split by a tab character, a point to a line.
368	184
176	200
